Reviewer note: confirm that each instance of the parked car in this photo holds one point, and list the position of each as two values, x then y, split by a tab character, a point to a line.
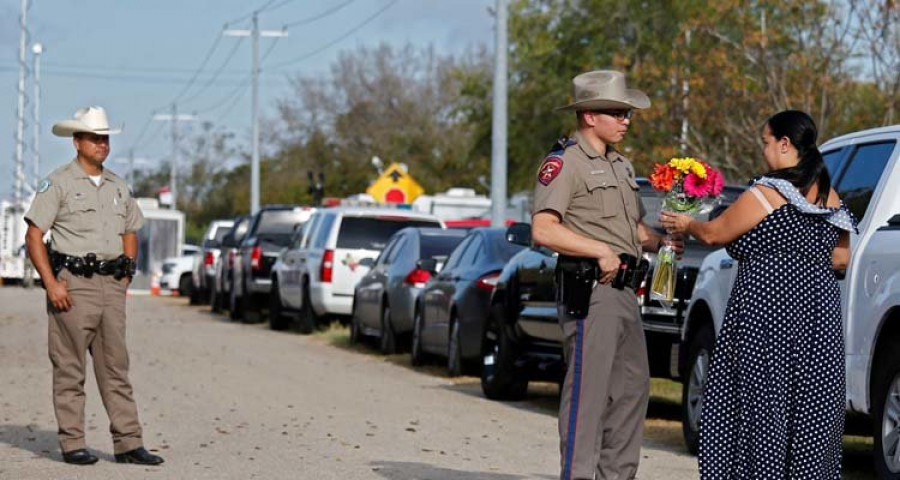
452	309
269	232
221	286
522	340
175	277
384	300
204	269
865	172
315	278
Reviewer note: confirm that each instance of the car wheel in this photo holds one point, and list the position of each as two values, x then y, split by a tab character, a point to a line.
501	379
417	355
307	320
196	294
215	299
234	304
185	287
886	414
699	349
454	350
250	308
277	319
388	340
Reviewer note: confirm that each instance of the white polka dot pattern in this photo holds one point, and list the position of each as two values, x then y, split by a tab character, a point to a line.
774	402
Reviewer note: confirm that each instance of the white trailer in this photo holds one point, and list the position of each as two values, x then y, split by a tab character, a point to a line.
161	237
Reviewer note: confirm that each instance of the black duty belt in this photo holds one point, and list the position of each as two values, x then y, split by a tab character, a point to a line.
89	265
575	277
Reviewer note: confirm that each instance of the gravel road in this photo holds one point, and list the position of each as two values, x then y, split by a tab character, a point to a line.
222	400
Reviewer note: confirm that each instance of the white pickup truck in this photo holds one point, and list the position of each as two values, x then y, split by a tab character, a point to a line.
865	171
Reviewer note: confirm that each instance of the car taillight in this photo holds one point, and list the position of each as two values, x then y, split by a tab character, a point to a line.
256	258
327	264
208	259
417	277
488	282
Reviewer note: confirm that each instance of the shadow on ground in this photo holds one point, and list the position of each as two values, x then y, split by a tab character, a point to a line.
421	471
42	443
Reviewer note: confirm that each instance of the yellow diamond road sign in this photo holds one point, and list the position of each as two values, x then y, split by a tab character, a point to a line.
395	186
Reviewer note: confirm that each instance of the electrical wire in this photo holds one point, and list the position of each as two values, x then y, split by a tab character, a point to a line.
199	69
320	16
233	96
218	72
254	12
337	40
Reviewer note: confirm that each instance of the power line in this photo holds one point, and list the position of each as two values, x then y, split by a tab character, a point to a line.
339	39
276	7
199	69
254	12
238	93
218	72
320	16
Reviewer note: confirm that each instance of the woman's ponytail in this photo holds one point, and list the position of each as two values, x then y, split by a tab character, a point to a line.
800	129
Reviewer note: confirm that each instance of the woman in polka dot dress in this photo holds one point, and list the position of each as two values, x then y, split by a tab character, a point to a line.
774	403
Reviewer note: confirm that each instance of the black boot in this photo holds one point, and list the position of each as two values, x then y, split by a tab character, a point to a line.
139	456
79	457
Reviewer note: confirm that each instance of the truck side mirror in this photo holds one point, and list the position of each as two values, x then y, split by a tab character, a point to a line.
367	262
519	234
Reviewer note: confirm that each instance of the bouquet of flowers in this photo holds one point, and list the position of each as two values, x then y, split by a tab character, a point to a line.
687	184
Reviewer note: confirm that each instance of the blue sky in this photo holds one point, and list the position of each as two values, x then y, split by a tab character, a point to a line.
133	57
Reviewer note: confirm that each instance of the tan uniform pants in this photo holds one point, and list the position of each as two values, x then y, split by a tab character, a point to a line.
95	323
604	396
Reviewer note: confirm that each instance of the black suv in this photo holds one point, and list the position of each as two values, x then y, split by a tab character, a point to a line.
522	338
271	229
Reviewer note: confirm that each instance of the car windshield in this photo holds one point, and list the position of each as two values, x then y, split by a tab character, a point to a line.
373	233
438	245
218	237
277	226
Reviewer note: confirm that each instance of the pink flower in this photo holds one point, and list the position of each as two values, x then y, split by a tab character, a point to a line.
715	180
697	187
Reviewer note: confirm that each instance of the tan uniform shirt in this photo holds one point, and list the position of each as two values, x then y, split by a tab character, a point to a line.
85	218
595	195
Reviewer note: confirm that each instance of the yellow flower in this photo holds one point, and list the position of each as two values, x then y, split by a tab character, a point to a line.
687	165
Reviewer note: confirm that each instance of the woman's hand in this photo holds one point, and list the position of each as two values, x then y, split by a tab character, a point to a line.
675	223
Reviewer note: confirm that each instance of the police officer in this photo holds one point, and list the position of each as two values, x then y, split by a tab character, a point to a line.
587	208
86	270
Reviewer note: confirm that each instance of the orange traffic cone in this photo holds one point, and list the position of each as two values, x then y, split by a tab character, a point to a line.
154	284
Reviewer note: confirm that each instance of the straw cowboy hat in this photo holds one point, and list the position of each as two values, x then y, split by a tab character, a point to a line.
604	89
86	120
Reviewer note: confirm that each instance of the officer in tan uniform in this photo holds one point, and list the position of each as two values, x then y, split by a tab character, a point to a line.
587	208
86	270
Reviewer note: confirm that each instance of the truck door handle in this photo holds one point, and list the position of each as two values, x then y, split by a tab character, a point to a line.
726	263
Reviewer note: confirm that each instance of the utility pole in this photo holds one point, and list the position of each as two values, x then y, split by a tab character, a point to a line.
37	49
255	33
498	135
174	117
19	180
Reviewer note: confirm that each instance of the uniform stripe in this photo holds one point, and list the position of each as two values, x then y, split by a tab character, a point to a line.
574	401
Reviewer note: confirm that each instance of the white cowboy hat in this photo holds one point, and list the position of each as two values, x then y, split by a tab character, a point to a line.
604	89
89	120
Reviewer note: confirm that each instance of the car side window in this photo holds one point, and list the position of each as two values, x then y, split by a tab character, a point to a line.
473	251
308	229
323	231
398	248
457	254
833	161
383	257
861	177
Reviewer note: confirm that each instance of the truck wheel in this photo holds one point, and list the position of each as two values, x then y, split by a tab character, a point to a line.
388	341
500	378
307	321
277	319
699	348
251	308
886	414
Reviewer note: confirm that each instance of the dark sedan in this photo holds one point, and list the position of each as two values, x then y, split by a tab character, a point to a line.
384	300
452	310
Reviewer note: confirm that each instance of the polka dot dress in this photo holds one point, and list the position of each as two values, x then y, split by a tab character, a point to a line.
774	402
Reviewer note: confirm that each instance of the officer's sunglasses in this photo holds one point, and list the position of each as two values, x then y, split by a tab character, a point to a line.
620	115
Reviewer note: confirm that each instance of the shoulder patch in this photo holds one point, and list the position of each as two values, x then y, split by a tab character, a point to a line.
550	169
44	185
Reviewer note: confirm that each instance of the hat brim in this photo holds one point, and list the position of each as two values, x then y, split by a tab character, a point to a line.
634	99
67	128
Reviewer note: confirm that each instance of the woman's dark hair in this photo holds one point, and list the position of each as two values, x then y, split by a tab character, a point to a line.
800	129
